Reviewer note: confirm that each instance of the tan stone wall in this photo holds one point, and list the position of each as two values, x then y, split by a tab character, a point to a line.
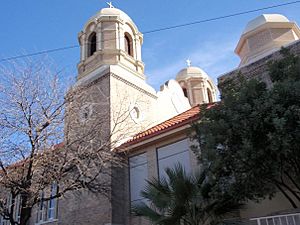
88	114
109	99
124	98
81	208
84	207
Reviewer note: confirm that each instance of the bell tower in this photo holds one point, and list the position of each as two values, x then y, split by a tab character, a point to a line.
110	38
111	100
111	75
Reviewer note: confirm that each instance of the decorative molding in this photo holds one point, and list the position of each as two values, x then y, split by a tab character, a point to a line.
120	79
133	85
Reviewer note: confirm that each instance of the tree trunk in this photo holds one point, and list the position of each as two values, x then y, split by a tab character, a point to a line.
25	211
287	196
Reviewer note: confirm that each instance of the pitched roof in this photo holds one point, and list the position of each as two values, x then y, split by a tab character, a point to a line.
182	119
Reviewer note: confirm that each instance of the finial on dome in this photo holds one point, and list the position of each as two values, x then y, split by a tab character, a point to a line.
188	62
110	5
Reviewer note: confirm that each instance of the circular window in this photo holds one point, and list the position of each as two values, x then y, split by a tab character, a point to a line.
135	114
85	113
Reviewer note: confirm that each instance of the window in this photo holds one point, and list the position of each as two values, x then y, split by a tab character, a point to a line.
92	44
185	92
17	209
41	209
136	114
18	205
52	203
170	155
47	209
3	221
128	44
138	174
209	95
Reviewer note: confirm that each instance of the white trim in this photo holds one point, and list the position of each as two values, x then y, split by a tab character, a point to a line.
45	222
267	217
283	219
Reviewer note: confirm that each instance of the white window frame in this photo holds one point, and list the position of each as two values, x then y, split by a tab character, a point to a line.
52	203
46	208
41	209
18	205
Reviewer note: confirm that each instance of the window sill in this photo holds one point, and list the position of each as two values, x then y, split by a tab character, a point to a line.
46	222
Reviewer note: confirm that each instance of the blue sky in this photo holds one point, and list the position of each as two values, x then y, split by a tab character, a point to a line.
36	25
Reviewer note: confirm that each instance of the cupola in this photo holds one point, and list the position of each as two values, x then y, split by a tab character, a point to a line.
197	86
110	38
264	35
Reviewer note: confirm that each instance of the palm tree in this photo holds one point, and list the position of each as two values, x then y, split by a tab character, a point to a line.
182	198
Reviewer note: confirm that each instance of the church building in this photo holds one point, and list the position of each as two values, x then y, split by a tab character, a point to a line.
152	127
156	123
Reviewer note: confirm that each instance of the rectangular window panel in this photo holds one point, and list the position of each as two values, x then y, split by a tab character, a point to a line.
47	210
18	208
138	175
170	155
41	209
52	203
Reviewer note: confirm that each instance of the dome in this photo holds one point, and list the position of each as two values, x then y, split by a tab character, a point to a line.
114	12
264	35
190	72
265	18
110	37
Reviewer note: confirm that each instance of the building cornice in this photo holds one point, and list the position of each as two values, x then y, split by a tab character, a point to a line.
133	85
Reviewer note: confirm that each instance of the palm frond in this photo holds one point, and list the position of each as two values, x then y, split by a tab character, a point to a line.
184	198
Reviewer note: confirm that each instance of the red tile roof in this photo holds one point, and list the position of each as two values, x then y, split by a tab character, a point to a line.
182	119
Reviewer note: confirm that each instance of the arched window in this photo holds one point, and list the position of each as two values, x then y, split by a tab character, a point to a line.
92	44
185	92
209	95
128	44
